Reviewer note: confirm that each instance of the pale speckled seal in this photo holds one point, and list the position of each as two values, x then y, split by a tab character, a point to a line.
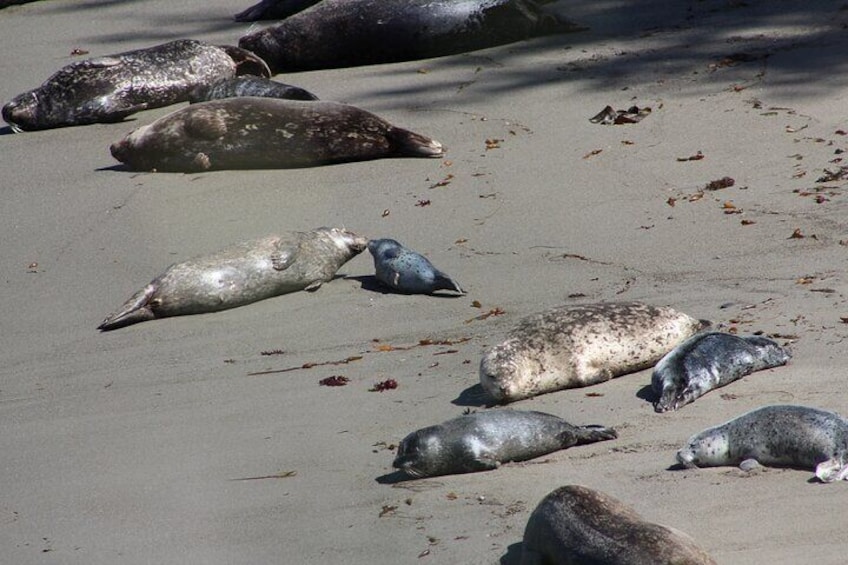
110	88
248	86
273	10
779	436
481	441
576	346
575	524
253	133
708	361
344	33
405	270
241	274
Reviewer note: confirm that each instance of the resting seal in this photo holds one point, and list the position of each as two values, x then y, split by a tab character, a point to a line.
779	436
273	10
576	346
405	270
251	132
110	88
248	86
708	361
483	440
346	33
575	524
241	274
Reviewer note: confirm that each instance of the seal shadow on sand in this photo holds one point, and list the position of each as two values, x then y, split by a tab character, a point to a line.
647	394
513	554
393	478
370	283
474	395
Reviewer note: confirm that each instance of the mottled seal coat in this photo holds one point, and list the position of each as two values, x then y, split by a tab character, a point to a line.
576	346
345	33
708	361
241	274
248	86
405	270
481	441
110	88
273	10
251	132
575	524
780	436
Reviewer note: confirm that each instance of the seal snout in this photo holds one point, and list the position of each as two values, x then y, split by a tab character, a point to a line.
686	458
20	112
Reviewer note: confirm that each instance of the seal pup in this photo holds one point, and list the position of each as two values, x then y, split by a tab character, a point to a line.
576	346
576	524
248	86
779	436
241	274
346	33
405	270
482	441
708	361
273	10
253	133
110	88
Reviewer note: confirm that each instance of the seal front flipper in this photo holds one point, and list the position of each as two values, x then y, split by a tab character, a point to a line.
136	309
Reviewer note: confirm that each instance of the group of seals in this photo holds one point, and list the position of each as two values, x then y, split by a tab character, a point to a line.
576	346
575	524
252	132
110	88
481	441
241	274
406	271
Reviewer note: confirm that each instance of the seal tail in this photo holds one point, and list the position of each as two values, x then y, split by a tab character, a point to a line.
444	282
593	433
410	144
247	62
136	309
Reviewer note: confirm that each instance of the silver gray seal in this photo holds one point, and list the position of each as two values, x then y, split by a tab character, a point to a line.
577	346
708	361
482	441
110	88
779	436
406	271
266	133
241	274
575	524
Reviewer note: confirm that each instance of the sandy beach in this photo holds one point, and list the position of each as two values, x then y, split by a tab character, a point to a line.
155	443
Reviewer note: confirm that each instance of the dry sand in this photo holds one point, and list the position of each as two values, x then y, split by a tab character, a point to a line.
131	446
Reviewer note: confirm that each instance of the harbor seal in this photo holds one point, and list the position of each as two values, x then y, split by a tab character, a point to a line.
273	10
253	133
481	441
576	346
708	361
405	270
575	524
110	88
779	436
248	86
346	33
241	274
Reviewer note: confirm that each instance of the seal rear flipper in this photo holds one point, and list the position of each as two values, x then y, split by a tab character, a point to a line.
247	62
832	470
410	144
444	282
136	309
592	433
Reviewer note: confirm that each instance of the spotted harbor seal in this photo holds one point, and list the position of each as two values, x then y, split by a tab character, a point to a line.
110	88
273	10
346	33
576	346
481	441
241	274
575	524
248	86
405	270
708	361
779	436
253	133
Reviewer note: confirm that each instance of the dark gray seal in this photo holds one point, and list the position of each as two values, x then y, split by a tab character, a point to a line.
575	524
483	440
346	33
241	274
406	271
110	88
255	133
779	436
577	346
248	86
708	361
273	10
